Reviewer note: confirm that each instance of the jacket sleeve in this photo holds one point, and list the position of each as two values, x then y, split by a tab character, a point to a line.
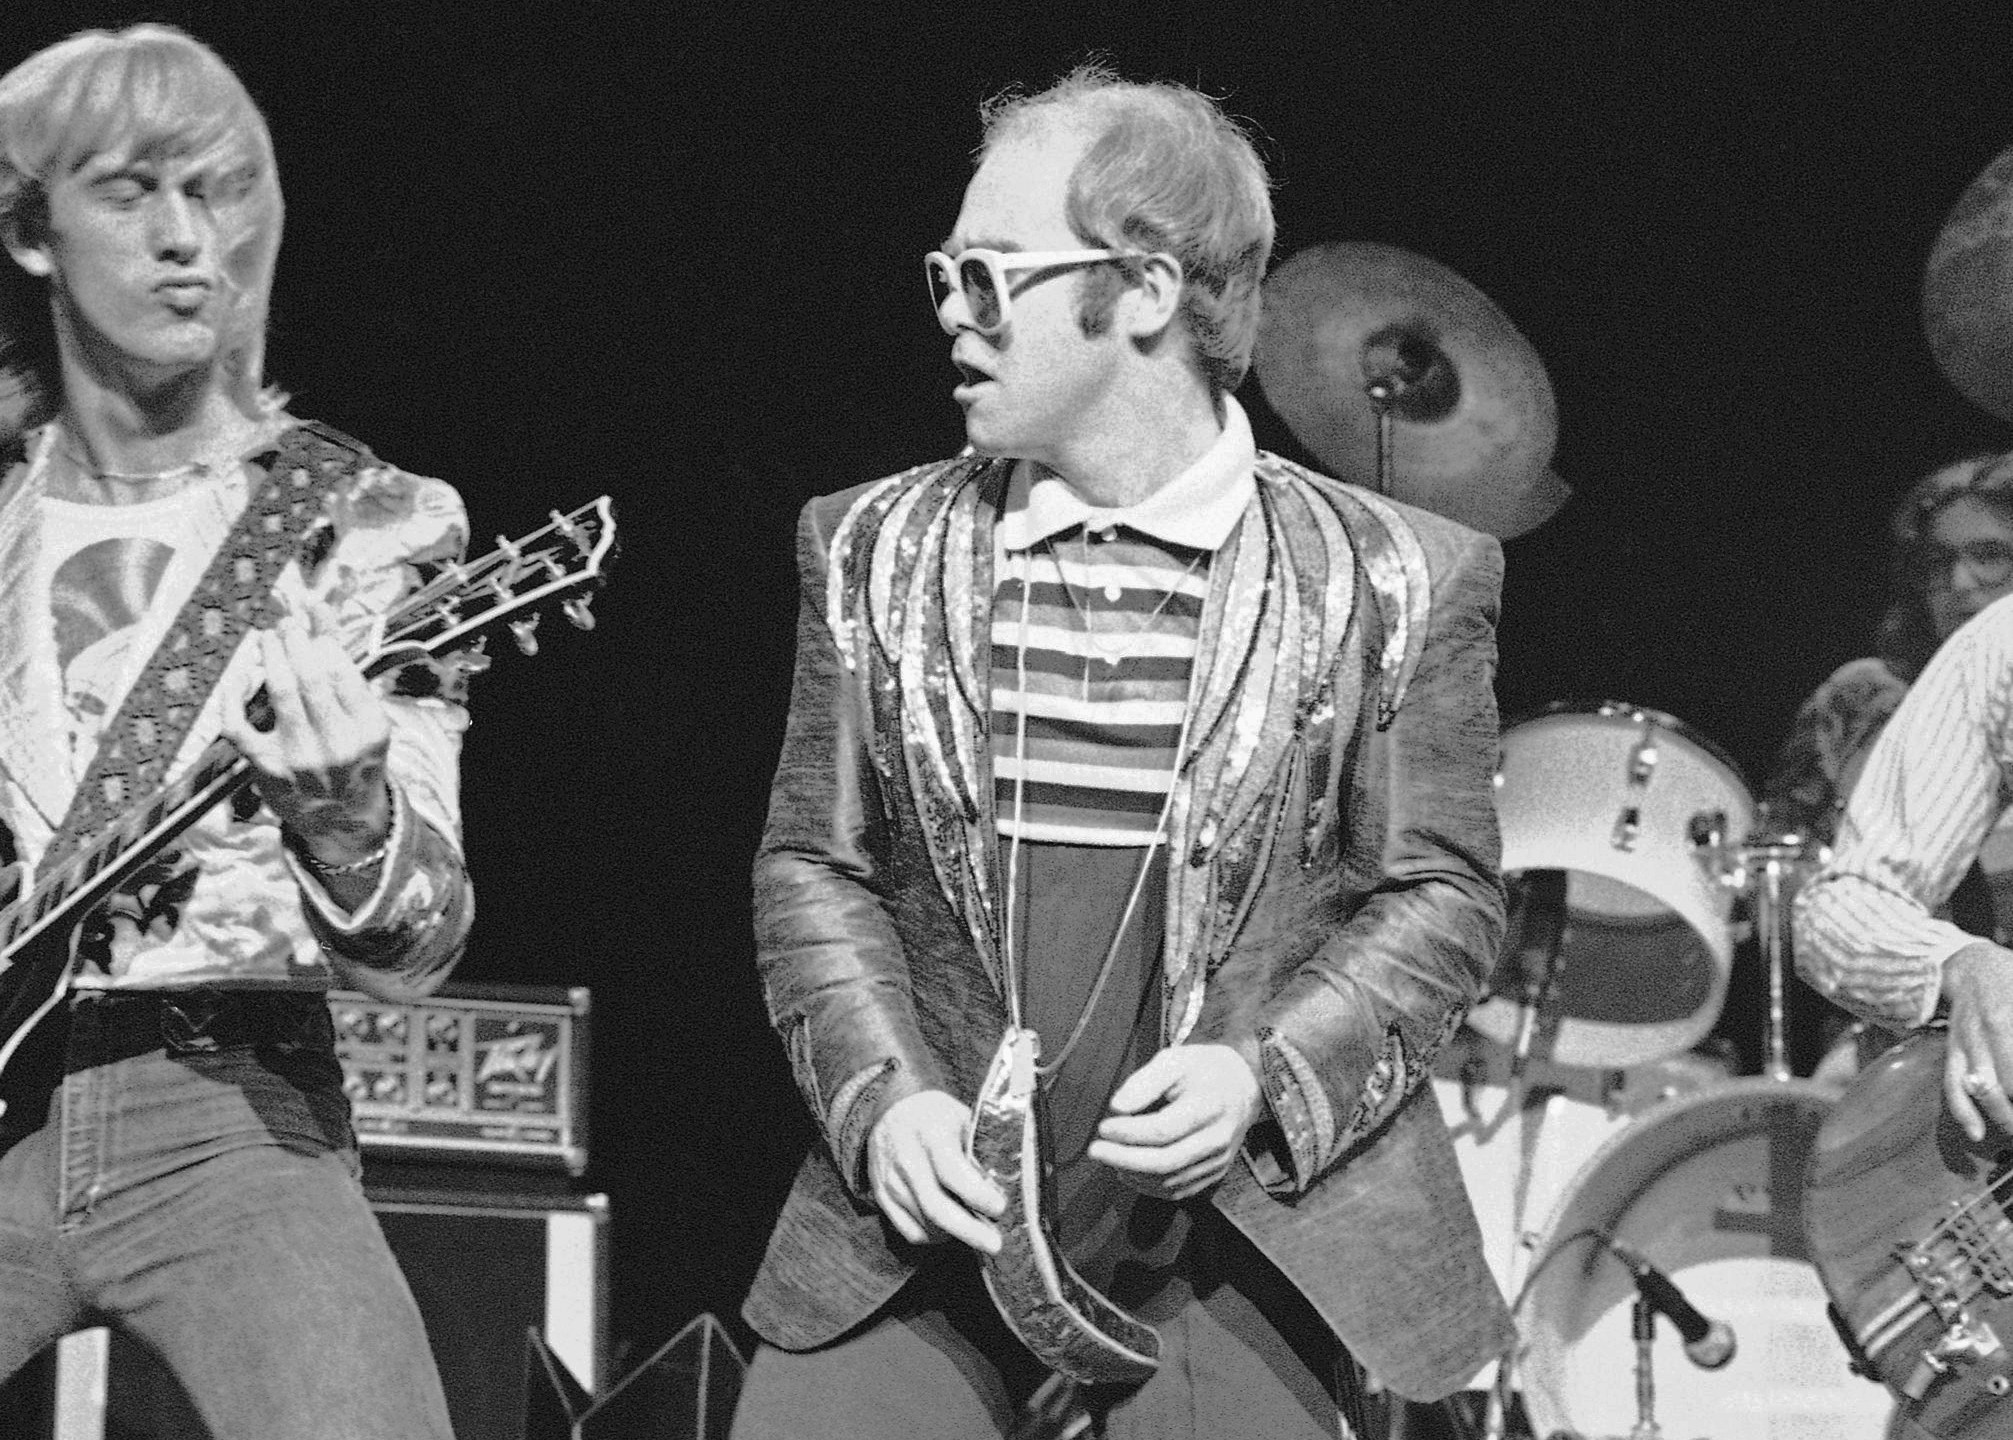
1356	1028
391	528
834	975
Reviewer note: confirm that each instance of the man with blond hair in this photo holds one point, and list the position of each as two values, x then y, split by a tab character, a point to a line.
180	559
1152	773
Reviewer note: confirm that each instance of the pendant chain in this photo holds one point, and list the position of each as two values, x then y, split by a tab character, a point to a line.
1110	646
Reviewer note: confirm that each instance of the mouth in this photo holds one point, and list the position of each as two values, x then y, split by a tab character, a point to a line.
971	376
187	296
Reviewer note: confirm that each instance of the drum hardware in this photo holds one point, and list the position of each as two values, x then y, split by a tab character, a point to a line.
1398	374
1642	767
1766	871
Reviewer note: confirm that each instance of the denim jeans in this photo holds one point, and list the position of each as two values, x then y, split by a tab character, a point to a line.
209	1205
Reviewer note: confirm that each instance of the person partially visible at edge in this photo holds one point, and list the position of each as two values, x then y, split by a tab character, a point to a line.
1950	555
176	1156
1910	922
1190	747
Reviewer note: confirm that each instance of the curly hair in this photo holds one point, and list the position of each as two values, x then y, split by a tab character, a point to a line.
157	91
1167	171
1907	636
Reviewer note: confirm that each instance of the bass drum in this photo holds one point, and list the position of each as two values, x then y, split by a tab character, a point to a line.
1708	1188
1520	1144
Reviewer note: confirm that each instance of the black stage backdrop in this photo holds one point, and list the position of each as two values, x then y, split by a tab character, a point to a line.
672	252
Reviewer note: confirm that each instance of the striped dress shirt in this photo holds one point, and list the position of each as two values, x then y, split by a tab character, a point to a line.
1938	781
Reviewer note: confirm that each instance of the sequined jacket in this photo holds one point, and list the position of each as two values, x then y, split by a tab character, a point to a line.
1333	892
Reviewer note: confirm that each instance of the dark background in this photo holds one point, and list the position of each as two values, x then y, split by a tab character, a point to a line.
672	253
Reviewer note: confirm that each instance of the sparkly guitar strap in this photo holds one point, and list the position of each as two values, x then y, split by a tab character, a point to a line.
307	462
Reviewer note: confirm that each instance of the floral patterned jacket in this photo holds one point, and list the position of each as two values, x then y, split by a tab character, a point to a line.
228	904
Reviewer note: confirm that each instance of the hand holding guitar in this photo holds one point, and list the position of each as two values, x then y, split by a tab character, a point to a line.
319	763
1978	980
920	1176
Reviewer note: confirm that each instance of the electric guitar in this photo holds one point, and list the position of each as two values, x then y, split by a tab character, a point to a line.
442	624
1907	1223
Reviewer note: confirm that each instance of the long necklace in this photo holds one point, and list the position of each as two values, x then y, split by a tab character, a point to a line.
1010	960
1111	647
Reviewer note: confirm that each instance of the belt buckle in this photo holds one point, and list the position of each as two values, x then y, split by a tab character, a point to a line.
188	1024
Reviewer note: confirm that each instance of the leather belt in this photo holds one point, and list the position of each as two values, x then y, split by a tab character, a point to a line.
115	1025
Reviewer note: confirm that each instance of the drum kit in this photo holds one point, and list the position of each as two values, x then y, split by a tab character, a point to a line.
1613	1163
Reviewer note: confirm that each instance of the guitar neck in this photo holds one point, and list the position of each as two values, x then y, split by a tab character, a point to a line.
443	624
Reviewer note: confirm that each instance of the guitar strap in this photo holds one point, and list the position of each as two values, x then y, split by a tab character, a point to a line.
304	465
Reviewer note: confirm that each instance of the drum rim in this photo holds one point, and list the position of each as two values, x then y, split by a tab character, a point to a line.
1663	719
1735	1089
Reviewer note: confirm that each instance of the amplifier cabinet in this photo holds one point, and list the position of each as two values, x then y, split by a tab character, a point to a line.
470	1074
485	1262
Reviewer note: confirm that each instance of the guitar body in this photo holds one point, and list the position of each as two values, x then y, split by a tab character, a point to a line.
1914	1246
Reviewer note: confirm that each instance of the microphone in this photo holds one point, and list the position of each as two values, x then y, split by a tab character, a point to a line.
1708	1344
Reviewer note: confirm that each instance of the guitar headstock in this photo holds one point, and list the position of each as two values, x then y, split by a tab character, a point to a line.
565	561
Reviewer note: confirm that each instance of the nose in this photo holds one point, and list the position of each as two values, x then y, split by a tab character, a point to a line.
180	226
953	311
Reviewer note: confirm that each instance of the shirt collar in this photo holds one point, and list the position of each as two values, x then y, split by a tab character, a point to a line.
1197	508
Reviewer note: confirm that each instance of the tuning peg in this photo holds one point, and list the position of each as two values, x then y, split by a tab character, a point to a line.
525	633
577	612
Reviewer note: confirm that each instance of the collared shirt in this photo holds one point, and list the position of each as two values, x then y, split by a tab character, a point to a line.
1937	782
1196	510
1094	627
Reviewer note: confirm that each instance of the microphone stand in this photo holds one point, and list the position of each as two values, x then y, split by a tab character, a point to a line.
1541	903
1643	1322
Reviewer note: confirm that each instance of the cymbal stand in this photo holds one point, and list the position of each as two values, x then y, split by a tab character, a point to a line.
1384	390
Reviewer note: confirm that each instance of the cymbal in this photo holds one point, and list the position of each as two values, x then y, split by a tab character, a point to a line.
1473	421
1967	291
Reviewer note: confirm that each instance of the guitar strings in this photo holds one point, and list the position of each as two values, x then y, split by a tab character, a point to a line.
1994	1194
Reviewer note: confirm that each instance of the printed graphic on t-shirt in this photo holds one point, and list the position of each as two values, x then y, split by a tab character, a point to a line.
97	598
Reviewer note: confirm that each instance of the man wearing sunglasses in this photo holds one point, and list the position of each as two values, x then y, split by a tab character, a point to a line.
1118	731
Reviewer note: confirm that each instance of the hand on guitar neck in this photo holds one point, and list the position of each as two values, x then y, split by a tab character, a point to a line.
319	761
1978	1070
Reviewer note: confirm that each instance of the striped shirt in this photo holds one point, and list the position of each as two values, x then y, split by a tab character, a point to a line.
1112	600
1093	647
1935	786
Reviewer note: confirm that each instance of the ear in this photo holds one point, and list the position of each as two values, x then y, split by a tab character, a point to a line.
32	256
1151	303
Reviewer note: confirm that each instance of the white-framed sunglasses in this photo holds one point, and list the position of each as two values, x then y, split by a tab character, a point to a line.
982	275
